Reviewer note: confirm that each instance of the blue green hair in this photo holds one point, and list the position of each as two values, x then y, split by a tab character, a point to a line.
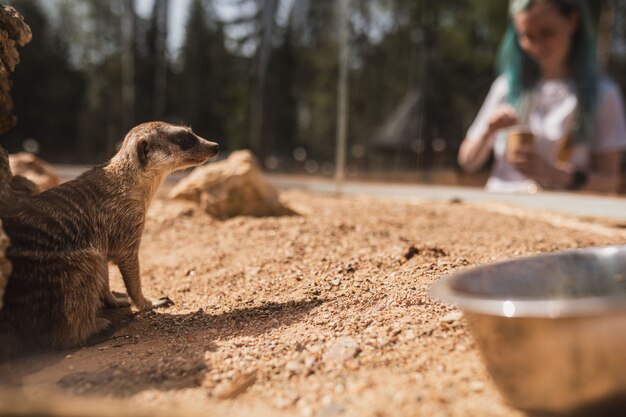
523	73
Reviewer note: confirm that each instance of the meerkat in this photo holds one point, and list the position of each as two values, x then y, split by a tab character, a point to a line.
63	239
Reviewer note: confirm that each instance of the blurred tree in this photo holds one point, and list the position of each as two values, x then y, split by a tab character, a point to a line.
93	31
265	22
128	32
159	26
203	83
153	68
48	91
428	52
281	112
313	33
277	50
267	76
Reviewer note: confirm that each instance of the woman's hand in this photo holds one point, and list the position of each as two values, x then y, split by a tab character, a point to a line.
475	151
502	118
604	175
530	163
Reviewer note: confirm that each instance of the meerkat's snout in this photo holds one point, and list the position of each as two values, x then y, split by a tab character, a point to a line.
201	150
212	148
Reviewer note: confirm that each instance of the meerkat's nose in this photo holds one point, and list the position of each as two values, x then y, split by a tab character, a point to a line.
214	148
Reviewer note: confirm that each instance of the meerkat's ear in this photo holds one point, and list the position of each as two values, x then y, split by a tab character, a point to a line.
142	152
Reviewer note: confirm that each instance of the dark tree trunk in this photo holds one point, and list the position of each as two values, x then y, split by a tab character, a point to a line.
128	64
160	65
14	33
258	138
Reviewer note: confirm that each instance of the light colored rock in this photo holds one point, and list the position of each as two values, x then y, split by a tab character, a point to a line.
5	265
331	410
35	169
231	188
342	350
452	317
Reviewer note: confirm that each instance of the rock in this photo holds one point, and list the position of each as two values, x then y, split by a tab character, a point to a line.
342	350
237	386
33	168
5	265
231	188
331	410
410	252
476	386
452	317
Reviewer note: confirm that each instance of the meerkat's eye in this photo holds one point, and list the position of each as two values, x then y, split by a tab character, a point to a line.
185	141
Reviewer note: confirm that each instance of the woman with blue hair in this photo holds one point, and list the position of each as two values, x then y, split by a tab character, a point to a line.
551	84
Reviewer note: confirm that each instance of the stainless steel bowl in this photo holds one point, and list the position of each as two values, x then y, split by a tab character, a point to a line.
551	328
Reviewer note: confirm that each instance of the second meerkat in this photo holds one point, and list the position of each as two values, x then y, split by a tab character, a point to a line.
63	239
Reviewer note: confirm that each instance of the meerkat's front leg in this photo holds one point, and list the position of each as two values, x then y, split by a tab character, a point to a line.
129	267
108	299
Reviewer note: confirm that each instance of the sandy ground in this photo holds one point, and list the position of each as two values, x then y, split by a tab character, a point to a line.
323	314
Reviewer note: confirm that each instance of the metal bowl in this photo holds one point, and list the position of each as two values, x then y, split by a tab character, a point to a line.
551	328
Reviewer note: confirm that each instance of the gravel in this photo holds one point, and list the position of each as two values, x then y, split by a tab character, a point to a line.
322	314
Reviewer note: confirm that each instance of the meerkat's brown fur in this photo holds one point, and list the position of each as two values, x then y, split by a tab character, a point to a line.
63	239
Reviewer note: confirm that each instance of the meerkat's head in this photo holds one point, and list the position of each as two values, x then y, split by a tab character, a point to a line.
163	148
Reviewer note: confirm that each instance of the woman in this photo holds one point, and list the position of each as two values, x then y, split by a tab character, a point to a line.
549	82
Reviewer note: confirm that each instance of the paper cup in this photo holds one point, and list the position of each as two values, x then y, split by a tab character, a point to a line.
519	137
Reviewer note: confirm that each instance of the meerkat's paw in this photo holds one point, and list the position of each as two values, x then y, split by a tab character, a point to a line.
162	302
147	304
102	325
143	304
112	301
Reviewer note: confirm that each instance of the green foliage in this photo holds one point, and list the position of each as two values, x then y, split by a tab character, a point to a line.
68	86
48	92
212	84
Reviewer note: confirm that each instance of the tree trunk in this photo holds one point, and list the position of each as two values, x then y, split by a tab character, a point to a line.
605	32
160	66
128	65
258	136
13	33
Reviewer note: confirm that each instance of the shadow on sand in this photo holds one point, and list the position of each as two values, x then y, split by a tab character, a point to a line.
157	350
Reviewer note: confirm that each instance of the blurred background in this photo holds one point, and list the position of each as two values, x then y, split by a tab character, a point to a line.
265	75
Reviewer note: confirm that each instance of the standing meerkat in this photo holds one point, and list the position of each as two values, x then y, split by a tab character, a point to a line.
63	239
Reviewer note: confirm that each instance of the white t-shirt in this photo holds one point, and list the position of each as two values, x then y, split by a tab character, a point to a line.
551	114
